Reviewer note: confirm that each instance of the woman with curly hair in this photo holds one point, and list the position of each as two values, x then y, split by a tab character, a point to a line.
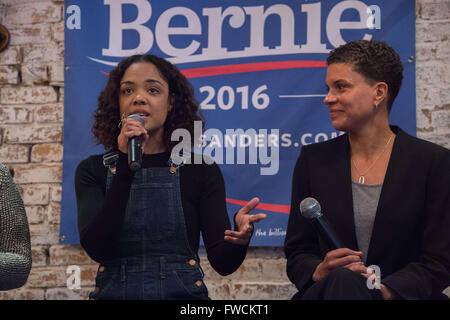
143	226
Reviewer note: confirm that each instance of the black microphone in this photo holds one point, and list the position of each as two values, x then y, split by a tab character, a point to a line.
135	147
310	209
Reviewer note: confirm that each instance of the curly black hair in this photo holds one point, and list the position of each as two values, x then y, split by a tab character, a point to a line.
184	110
375	60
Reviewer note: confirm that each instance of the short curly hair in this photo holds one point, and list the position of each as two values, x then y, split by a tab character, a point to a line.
184	110
375	60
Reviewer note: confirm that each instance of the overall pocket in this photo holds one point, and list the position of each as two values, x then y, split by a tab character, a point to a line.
150	212
108	286
188	284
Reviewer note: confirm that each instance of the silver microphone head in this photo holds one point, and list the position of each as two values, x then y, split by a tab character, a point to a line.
310	208
136	116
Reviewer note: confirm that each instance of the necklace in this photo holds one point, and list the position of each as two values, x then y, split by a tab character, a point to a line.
361	175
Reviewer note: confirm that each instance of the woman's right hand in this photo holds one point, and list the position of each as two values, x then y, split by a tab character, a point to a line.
130	128
339	258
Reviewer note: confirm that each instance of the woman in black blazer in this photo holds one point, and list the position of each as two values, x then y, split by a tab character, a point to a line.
385	193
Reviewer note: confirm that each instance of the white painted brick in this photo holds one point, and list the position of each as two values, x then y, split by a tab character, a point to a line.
438	138
266	252
53	112
35	194
435	11
2	12
426	51
22	294
44	53
33	12
13	153
445	71
67	294
423	117
432	31
243	290
10	114
61	94
35	214
21	95
33	134
441	120
54	213
16	2
47	277
39	256
443	50
47	152
429	75
38	173
31	34
56	71
61	255
56	276
428	96
58	32
444	94
34	73
11	55
275	269
9	75
55	193
44	235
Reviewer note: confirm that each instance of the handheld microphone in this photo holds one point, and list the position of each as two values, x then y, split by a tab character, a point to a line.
135	147
310	209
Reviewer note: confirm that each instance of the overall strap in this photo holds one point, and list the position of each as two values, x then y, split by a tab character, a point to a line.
110	162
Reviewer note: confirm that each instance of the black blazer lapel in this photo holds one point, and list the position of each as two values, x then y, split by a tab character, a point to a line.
380	241
339	209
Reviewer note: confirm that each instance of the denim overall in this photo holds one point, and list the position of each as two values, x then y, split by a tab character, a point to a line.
154	259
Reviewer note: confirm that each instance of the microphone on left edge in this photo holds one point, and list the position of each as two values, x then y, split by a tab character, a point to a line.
135	147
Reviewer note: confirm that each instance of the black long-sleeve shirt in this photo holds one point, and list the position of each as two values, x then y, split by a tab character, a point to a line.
101	212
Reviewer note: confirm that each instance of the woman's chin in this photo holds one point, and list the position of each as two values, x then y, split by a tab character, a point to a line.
339	126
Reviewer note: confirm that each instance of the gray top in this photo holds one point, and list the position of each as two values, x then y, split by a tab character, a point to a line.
15	247
365	203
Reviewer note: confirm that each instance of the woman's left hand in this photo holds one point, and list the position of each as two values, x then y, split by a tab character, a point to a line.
386	292
244	221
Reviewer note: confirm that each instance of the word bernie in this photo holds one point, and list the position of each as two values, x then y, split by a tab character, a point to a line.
211	22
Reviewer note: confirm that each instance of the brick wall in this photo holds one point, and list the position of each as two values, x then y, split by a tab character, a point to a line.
31	131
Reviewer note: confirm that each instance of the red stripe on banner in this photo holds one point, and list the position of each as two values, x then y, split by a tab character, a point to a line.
263	206
250	67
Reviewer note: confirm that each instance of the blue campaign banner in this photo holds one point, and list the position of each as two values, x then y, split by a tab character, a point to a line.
258	69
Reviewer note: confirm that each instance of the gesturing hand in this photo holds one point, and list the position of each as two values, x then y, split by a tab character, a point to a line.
244	221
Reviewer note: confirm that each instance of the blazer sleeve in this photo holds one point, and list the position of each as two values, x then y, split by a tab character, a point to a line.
430	274
301	243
